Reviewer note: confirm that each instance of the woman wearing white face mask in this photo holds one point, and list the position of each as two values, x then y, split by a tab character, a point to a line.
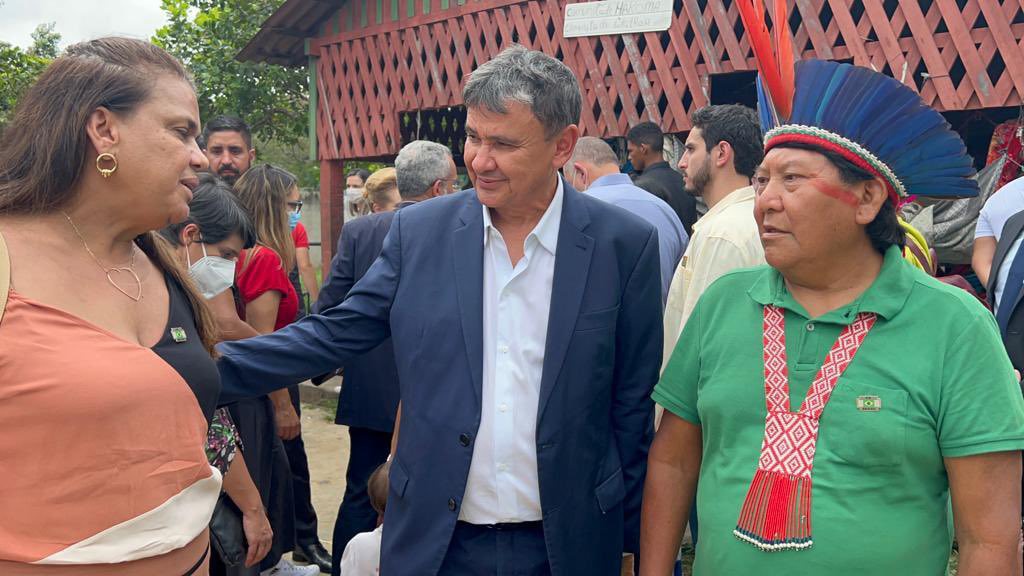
208	244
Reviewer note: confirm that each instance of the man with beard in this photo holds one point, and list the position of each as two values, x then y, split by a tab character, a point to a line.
228	146
645	143
722	151
227	143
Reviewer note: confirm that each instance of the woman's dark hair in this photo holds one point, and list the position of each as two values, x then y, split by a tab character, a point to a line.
217	212
45	148
885	230
363	173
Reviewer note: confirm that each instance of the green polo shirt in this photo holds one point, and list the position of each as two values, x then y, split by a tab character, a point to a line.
880	493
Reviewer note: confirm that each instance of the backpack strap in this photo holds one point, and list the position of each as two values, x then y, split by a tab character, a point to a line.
5	276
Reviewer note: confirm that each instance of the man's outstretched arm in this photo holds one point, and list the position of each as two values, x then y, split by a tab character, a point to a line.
319	343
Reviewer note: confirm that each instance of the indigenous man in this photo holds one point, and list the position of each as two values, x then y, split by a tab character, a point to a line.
790	393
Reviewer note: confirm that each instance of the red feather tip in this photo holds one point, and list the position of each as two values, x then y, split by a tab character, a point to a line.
775	63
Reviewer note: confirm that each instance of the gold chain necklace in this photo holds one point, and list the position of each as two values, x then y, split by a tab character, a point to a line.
115	271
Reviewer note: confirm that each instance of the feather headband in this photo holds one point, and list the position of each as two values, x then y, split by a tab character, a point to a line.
870	119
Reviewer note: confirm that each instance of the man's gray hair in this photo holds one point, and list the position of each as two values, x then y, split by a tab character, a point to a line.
419	164
547	86
593	151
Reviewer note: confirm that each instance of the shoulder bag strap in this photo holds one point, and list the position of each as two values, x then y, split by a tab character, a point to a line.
5	276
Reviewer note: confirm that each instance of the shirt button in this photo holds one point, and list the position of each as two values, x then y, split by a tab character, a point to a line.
503	408
810	326
452	504
464	439
502	467
503	349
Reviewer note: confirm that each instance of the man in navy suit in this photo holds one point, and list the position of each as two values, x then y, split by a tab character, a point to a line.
369	396
526	322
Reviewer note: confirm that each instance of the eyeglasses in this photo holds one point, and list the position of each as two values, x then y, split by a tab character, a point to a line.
295	206
455	185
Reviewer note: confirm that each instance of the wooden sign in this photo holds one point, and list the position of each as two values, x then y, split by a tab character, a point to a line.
610	17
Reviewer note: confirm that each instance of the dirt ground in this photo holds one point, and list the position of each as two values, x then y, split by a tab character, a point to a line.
327	450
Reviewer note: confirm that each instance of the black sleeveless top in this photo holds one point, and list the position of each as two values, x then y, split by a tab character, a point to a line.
182	349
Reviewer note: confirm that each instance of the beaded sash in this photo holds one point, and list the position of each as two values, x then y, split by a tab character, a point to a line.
776	514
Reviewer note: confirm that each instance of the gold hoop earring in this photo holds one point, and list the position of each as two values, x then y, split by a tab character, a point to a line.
106	157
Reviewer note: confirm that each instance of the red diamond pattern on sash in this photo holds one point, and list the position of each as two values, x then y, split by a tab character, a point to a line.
790	438
776	514
788	445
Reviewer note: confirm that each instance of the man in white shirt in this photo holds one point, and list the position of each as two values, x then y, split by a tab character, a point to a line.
1006	202
526	322
721	153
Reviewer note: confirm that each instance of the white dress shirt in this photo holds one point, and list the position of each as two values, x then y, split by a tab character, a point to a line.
502	484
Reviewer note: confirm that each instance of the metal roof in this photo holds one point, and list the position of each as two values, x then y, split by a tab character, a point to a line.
282	38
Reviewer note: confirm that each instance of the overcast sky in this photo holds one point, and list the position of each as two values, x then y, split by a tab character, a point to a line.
78	20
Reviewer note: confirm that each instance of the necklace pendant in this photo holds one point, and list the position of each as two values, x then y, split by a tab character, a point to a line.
114	272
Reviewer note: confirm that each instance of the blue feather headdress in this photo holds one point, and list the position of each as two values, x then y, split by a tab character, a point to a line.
870	119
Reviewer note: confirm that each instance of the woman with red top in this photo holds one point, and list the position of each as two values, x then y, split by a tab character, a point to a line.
303	265
267	302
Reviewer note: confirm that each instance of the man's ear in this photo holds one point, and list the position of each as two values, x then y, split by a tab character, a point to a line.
722	154
103	130
252	157
873	195
565	143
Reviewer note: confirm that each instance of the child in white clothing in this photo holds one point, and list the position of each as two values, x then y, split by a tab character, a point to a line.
362	554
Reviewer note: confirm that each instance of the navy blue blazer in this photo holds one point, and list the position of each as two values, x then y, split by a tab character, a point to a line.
595	414
369	394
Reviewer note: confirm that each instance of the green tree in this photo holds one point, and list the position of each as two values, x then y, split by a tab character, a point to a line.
44	41
20	68
206	35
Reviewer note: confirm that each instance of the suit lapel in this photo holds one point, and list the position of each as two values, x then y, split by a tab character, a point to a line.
572	264
1011	229
468	253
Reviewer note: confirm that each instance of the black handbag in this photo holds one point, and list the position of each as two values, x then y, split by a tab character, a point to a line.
227	537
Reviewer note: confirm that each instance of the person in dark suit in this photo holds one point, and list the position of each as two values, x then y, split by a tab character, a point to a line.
369	394
1005	292
526	322
645	143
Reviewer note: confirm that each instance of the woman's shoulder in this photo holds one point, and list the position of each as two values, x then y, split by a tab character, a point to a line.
259	264
260	256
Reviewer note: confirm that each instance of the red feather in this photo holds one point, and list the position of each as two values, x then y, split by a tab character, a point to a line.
776	69
784	52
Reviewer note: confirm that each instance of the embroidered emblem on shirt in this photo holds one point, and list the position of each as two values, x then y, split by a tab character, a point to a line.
179	334
869	403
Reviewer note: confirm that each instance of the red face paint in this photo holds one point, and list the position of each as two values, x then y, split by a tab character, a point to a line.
841	194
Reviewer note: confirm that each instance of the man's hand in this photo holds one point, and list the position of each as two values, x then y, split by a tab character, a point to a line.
258	536
288	424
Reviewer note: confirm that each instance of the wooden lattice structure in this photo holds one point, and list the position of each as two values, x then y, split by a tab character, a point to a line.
386	69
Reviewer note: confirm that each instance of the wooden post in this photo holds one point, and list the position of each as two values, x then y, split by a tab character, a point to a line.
332	202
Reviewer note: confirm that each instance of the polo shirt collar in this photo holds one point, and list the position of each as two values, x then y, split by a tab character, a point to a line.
886	296
546	230
611	180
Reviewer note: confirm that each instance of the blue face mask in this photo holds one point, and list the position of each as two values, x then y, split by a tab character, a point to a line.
293	219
